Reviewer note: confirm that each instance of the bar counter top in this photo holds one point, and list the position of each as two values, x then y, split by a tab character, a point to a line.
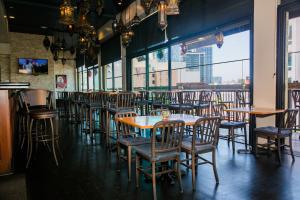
14	85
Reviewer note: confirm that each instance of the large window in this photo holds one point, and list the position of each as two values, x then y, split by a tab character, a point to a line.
158	69
196	64
139	73
293	57
96	78
84	80
109	76
88	78
117	75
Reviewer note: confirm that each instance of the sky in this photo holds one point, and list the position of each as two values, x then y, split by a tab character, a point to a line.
235	47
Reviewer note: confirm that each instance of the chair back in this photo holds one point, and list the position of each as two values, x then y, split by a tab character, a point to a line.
219	110
171	133
187	97
241	99
36	97
296	97
206	131
123	129
125	100
289	119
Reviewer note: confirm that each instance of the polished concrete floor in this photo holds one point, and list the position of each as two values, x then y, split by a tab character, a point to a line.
88	171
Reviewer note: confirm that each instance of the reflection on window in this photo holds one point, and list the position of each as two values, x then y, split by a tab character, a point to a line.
96	78
109	80
91	79
139	73
84	79
158	69
118	75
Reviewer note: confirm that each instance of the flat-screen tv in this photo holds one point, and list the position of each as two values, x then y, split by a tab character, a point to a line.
33	66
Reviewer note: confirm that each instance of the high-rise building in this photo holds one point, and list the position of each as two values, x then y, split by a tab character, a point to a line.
200	59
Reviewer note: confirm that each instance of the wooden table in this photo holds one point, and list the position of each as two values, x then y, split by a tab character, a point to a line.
148	122
254	112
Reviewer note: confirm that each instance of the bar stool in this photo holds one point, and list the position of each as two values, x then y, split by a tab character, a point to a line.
39	112
42	134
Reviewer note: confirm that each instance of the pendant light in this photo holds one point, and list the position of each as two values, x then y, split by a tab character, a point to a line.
162	16
136	19
173	7
66	13
147	5
219	39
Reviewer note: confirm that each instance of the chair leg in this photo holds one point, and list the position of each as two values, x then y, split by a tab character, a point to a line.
279	150
291	147
214	165
107	128
256	143
228	137
187	159
179	175
193	172
129	162
118	157
53	142
29	143
246	140
154	181
137	171
233	140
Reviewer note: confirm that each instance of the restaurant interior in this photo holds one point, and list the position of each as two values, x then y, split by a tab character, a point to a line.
149	99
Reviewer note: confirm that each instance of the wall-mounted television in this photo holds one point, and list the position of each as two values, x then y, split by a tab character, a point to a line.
33	66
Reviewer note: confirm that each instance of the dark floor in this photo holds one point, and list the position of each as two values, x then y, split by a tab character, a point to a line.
13	187
89	172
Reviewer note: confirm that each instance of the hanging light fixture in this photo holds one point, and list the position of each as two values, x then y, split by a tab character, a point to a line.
99	7
66	13
219	39
147	5
114	25
46	42
162	16
173	7
136	19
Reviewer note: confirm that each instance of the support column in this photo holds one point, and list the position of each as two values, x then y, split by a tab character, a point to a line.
264	82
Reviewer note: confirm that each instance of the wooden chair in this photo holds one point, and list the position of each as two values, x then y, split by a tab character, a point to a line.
168	149
204	140
121	102
231	121
296	101
276	135
185	103
126	139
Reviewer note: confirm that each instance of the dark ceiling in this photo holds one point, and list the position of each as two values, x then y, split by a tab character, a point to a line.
31	15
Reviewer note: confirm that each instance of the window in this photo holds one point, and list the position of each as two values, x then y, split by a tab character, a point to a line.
96	78
139	73
117	75
290	33
290	60
90	78
84	80
195	63
109	76
79	77
158	69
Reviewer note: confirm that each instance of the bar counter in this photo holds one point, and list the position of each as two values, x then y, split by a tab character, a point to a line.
7	116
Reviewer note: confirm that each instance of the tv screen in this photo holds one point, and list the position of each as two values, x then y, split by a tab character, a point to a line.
33	66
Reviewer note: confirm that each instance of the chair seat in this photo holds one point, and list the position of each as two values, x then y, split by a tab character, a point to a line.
43	114
113	111
232	124
94	105
200	148
181	107
133	141
201	105
145	151
272	131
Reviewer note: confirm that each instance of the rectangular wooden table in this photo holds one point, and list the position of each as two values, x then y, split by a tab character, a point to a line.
254	112
148	122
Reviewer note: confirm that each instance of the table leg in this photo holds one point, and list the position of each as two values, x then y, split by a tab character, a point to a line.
252	138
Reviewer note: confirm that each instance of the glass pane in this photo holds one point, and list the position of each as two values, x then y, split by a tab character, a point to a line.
80	81
91	79
96	78
118	75
84	78
293	58
139	73
195	64
109	85
158	69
